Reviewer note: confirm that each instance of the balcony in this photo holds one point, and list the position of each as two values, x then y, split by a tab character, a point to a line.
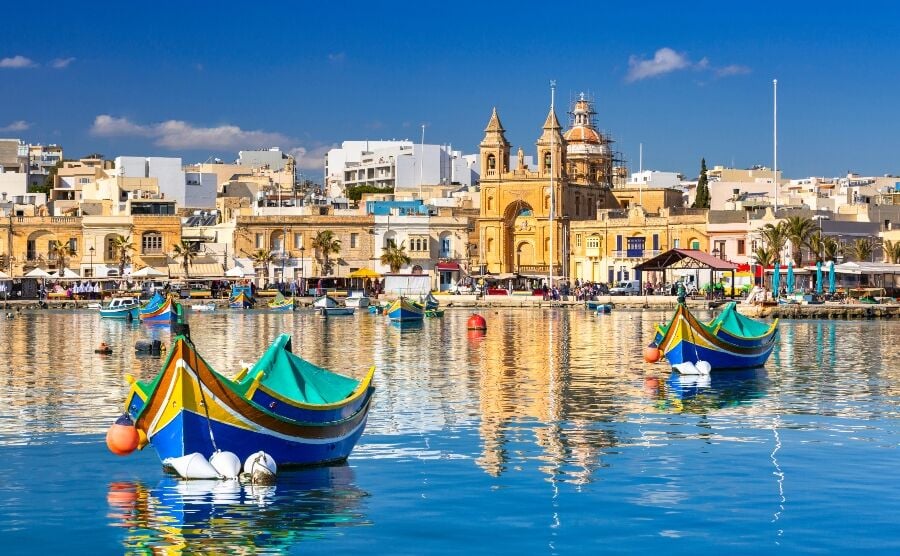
538	269
636	254
592	251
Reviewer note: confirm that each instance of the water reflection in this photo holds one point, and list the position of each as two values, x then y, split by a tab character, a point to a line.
224	517
702	394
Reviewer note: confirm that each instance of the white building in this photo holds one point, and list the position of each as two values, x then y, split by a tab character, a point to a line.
272	159
653	178
172	180
396	164
200	190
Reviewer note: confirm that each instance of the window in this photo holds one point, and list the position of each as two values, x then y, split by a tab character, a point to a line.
31	250
298	241
490	203
445	247
577	240
656	242
676	243
577	205
492	162
354	239
753	246
73	245
741	247
593	242
151	242
635	246
546	160
84	180
695	244
259	241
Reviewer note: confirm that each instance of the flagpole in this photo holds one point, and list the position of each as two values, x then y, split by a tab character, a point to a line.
552	102
775	136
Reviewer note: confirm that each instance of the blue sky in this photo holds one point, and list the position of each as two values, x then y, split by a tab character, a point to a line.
208	79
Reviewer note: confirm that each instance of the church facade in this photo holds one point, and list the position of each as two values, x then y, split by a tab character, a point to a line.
573	175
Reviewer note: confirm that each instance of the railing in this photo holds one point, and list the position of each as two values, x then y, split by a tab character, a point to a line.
636	253
538	269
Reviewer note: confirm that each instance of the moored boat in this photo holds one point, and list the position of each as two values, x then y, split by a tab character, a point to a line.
157	309
687	340
402	309
241	297
281	303
204	307
357	299
128	308
336	311
298	413
325	301
430	302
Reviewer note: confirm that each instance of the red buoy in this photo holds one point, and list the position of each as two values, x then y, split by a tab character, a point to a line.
122	438
651	353
476	322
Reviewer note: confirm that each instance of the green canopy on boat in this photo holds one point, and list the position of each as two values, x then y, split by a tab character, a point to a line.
738	324
292	377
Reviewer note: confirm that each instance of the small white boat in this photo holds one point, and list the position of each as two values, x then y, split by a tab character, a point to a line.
357	299
204	307
94	305
335	311
325	301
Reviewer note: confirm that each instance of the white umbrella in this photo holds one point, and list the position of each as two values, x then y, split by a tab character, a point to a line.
236	272
69	273
3	274
147	272
38	273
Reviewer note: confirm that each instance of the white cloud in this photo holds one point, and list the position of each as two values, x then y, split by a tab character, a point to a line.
60	63
311	158
733	69
665	60
17	62
18	125
177	134
337	57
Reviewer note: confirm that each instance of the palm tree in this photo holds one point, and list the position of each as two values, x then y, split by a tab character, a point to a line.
122	247
394	256
798	230
325	244
775	236
262	258
63	253
817	245
187	252
862	249
764	258
831	248
891	251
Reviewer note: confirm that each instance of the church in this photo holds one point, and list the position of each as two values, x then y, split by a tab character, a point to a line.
515	233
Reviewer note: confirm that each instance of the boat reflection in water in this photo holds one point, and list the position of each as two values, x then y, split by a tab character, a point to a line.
717	390
227	517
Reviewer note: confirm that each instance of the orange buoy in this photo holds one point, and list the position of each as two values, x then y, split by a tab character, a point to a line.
651	353
475	334
122	438
476	322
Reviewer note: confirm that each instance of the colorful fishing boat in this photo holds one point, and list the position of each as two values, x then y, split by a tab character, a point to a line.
430	302
127	308
241	297
157	309
298	413
402	310
434	313
281	303
735	328
687	340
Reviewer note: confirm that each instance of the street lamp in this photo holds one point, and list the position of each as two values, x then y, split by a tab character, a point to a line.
91	251
302	277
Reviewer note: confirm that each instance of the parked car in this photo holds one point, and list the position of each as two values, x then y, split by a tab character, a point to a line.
628	287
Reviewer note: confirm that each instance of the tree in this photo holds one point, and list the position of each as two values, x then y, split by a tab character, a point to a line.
394	256
63	253
187	252
799	230
122	247
862	249
891	251
325	245
817	246
701	200
831	248
764	258
262	258
775	237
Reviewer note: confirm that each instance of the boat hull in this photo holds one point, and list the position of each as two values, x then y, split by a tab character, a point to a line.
337	311
357	302
158	312
133	313
688	340
403	310
288	305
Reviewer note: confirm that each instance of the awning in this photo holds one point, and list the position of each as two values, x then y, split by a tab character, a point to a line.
197	270
363	273
447	267
685	258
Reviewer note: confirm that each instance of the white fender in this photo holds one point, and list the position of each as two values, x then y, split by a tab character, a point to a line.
192	466
226	464
686	368
261	467
703	367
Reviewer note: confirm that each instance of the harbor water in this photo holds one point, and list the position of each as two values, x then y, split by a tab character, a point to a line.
546	435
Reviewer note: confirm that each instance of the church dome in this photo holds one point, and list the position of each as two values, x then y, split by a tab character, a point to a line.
582	134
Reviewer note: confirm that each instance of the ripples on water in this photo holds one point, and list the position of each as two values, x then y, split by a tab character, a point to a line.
548	434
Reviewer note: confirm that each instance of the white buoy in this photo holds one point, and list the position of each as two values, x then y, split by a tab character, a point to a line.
226	464
192	466
703	367
261	468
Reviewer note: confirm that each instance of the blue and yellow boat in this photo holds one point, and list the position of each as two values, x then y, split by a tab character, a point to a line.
404	310
241	297
281	303
157	309
732	342
298	413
